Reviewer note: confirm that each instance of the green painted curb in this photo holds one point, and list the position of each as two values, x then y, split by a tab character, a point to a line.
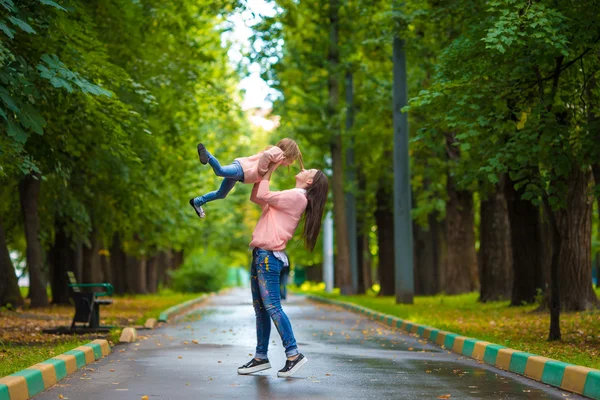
164	316
4	392
592	385
60	367
97	349
552	374
79	357
34	378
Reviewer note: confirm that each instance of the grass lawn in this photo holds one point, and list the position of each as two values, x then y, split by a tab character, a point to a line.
23	344
519	328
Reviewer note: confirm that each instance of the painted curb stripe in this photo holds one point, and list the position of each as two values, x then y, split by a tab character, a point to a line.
503	358
16	387
574	378
4	392
491	353
70	362
553	372
468	347
96	349
433	335
535	367
34	379
48	373
577	379
88	353
479	350
79	357
592	385
60	367
518	362
458	344
449	340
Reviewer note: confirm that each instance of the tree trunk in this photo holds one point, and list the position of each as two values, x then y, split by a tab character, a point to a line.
139	276
59	258
367	263
29	189
555	289
9	285
384	217
526	246
118	265
428	256
152	274
362	232
343	276
575	227
92	268
495	251
461	267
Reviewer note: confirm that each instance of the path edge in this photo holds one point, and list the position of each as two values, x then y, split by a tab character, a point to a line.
25	384
573	378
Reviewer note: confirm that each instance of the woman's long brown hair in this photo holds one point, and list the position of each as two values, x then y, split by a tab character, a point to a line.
316	195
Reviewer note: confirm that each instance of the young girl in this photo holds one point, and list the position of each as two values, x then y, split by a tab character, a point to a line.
281	213
246	169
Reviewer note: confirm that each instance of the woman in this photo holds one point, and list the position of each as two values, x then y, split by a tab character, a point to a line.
281	213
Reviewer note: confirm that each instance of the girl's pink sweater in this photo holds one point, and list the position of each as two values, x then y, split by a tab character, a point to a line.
257	165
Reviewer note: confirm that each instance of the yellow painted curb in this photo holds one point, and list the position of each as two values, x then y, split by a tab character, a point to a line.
128	335
535	367
104	345
574	378
48	373
459	342
89	353
441	338
479	350
17	387
427	333
150	323
503	358
70	362
415	328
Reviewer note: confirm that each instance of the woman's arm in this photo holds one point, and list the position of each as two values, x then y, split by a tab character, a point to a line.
263	193
254	198
268	157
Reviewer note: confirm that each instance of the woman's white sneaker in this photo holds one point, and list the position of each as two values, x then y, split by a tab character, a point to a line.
293	366
254	365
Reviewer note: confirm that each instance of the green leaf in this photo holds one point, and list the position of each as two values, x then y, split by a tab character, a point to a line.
5	96
9	32
21	24
14	130
31	118
8	4
53	4
3	114
465	146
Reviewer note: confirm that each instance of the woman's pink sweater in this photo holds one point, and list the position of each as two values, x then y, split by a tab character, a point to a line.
281	213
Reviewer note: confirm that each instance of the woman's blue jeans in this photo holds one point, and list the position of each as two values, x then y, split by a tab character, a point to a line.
264	283
232	173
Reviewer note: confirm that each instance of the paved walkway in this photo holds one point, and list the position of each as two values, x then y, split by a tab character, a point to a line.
350	357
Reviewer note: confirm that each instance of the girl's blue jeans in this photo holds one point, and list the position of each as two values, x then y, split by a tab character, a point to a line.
232	173
264	283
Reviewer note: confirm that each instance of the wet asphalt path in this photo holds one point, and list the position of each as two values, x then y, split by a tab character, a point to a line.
350	357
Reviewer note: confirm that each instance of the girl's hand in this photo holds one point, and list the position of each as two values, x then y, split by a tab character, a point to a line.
272	167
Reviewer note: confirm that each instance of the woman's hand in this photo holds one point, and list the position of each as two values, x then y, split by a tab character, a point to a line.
272	167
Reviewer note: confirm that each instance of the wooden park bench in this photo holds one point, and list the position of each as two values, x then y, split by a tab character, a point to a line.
87	301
